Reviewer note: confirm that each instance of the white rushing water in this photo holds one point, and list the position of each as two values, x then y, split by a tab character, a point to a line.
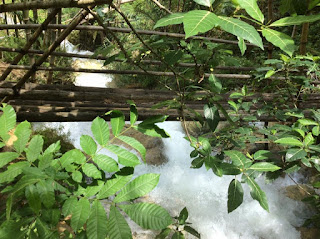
203	193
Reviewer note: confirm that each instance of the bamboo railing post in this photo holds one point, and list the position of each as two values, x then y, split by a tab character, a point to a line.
29	43
52	34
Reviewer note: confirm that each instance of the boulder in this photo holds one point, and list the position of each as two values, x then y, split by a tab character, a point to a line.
298	192
309	233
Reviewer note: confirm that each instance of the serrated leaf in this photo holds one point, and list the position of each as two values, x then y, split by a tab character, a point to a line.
238	158
117	225
13	171
46	191
307	122
97	222
23	132
252	9
257	194
289	141
138	187
152	130
125	157
113	185
134	144
33	198
206	3
242	45
35	148
91	171
215	84
7	121
72	156
106	163
100	131
7	157
80	213
117	122
88	145
172	19
295	154
133	114
154	119
183	216
198	21
53	148
264	167
279	39
240	29
262	155
211	113
77	176
148	215
297	20
68	206
235	195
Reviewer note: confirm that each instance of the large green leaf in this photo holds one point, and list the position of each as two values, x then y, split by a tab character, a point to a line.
13	171
264	167
69	205
80	213
206	3
241	29
152	130
257	193
138	187
91	171
289	141
133	113
23	132
215	84
100	130
106	163
117	226
7	121
297	20
117	122
88	145
295	154
77	176
35	148
279	39
33	198
307	122
199	21
7	157
72	156
97	222
113	185
262	155
125	157
211	113
46	191
148	215
154	119
134	144
172	19
235	195
252	9
238	158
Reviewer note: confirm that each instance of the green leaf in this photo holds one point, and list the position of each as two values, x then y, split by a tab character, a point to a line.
7	121
235	195
289	141
316	130
93	190
262	155
35	148
13	171
177	235
68	206
264	167
80	213
100	131
192	231
113	185
46	191
133	114
117	122
206	3
173	56
230	169
197	162
91	171
9	206
125	157
23	132
183	216
269	74
252	9
77	176
7	157
72	156
257	193
172	19
152	130
138	187
88	145
307	122
241	29
117	225
295	154
211	113
97	222
134	144
297	20
154	119
242	45
279	39
308	140
215	84
33	198
148	215
106	163
306	162
163	234
198	21
238	158
53	148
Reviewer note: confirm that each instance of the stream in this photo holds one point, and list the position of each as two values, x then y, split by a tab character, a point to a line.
203	193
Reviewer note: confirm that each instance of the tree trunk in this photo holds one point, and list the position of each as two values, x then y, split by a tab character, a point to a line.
304	38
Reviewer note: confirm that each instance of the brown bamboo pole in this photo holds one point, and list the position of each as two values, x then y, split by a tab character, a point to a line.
29	43
304	38
46	4
51	38
127	30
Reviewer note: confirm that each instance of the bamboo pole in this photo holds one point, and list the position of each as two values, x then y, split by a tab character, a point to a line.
127	30
15	22
29	43
5	17
46	4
